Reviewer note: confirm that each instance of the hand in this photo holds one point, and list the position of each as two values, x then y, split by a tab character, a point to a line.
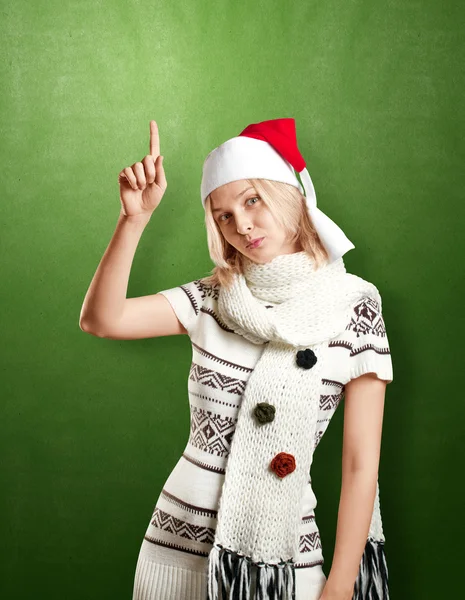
143	184
328	594
334	597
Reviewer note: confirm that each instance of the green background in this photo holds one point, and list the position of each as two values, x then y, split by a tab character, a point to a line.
91	428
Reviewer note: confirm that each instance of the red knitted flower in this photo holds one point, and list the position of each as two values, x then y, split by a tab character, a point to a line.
283	464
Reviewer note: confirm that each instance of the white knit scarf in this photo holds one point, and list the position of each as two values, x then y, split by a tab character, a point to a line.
291	306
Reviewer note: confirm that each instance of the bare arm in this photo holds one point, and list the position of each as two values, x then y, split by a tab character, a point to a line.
363	417
106	312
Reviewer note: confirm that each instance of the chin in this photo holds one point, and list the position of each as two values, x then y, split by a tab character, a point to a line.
262	258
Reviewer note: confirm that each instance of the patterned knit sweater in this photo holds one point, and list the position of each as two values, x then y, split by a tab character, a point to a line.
172	563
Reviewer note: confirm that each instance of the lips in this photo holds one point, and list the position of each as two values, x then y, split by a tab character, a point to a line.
255	243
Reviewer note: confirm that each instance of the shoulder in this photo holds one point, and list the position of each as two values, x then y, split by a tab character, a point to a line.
366	317
197	292
364	343
207	290
189	300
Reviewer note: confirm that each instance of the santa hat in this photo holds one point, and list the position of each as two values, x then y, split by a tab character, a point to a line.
268	150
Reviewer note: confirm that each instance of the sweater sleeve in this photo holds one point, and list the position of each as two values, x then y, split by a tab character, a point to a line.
367	343
186	301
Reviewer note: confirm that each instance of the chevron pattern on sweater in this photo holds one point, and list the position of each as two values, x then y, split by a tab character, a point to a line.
309	542
181	528
216	380
329	401
211	432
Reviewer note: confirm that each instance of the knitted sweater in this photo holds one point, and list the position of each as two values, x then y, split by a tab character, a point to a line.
172	563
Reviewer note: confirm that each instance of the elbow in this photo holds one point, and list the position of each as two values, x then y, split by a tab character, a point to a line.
363	464
366	470
83	325
87	327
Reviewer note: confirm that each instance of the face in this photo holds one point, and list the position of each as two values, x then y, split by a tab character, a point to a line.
242	216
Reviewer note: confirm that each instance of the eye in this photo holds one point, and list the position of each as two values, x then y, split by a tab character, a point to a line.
220	218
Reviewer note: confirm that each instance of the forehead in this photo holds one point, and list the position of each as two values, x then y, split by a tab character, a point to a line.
229	192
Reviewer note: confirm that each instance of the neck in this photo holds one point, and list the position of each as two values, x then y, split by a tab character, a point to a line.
283	269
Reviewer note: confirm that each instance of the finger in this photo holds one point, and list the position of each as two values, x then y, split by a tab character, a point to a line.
154	140
129	175
139	172
160	173
149	166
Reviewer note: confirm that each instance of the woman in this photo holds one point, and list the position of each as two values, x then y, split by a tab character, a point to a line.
280	333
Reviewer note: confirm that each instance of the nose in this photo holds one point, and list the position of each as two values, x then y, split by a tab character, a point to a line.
244	224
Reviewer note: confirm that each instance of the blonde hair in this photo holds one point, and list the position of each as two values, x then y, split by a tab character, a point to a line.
288	206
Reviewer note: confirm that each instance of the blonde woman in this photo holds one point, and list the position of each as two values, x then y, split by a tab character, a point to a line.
280	334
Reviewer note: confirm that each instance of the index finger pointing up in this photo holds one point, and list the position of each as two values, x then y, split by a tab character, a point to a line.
154	140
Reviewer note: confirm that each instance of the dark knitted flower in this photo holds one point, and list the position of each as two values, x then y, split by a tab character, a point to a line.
283	464
264	412
306	358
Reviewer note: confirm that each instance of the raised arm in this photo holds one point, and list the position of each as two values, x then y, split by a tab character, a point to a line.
106	312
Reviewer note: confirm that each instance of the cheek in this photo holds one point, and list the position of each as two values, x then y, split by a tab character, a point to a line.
268	220
229	236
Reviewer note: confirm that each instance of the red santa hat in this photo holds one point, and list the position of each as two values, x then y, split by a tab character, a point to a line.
268	150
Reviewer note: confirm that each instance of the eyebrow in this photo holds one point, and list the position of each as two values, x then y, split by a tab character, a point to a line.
238	196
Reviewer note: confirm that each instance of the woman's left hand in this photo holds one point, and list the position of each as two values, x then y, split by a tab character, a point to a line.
327	594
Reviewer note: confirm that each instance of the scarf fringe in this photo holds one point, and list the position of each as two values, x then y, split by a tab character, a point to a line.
230	577
372	578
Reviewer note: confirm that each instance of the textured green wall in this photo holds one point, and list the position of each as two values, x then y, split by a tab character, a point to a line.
91	428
